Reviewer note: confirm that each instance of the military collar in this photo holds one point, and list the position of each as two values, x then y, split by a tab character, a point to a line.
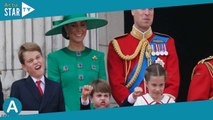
141	35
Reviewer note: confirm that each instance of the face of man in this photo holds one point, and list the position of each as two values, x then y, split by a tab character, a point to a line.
33	64
100	100
143	18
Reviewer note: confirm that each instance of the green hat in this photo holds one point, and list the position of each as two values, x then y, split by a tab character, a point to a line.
92	23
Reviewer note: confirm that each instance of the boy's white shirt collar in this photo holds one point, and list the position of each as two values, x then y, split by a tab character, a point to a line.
42	82
42	79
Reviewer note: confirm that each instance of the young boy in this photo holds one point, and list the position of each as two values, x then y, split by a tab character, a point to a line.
100	94
155	79
36	92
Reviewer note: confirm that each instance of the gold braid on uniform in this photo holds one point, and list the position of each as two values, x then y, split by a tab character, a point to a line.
210	68
193	72
142	46
126	57
208	65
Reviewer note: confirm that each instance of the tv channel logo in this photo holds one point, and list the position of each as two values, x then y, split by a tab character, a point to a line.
14	9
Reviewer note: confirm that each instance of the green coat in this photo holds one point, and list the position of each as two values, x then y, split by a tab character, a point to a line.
74	70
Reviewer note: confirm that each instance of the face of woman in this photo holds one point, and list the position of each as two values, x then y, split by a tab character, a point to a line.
76	31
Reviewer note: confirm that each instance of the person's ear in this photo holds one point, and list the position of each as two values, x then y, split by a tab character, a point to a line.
66	28
133	12
24	67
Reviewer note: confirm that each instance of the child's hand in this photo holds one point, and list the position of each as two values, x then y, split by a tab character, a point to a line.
86	90
211	98
137	92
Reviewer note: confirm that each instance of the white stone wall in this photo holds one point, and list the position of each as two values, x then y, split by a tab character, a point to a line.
13	33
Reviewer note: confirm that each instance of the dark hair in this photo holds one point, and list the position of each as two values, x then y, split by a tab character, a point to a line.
64	33
155	69
28	46
100	86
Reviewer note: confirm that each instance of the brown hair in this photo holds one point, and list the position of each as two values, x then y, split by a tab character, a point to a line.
28	46
100	86
155	69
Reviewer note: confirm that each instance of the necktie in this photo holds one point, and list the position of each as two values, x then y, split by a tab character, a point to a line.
38	82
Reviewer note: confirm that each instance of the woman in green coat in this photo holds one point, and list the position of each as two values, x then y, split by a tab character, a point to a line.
75	65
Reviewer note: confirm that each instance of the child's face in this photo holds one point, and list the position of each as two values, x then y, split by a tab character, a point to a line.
156	86
100	100
33	64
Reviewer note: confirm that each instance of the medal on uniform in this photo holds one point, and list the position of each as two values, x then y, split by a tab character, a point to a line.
161	49
161	53
153	53
153	50
165	50
157	50
166	53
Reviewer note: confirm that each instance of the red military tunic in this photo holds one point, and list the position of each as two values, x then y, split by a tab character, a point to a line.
128	44
201	86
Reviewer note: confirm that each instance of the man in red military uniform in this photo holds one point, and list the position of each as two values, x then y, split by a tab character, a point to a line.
201	86
129	55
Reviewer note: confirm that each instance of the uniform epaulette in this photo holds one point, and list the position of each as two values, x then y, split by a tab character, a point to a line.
205	59
121	36
161	34
207	64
